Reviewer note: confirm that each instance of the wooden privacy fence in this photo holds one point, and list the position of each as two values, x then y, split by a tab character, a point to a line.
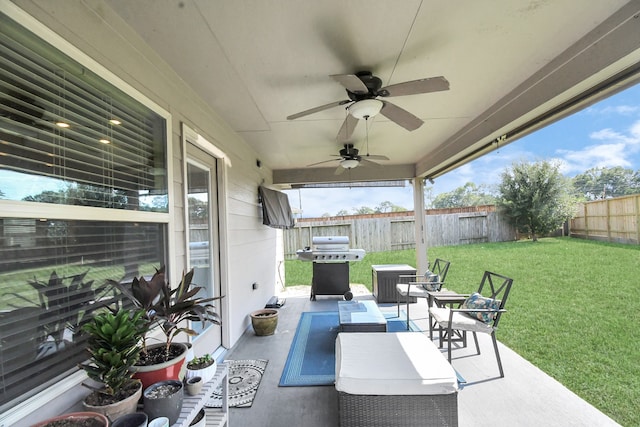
611	220
395	231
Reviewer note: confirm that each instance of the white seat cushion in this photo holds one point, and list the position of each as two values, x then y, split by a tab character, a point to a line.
401	363
415	291
460	321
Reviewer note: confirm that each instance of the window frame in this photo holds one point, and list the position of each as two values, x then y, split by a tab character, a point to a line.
21	209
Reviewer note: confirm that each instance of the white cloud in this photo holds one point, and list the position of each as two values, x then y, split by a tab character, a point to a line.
604	155
617	149
623	110
486	170
612	136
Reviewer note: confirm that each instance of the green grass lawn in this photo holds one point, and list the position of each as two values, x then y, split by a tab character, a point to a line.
574	309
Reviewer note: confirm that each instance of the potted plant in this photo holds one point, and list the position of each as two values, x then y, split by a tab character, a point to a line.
203	367
137	419
264	321
170	309
164	399
75	419
114	346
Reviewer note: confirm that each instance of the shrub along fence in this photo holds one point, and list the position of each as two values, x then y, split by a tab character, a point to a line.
614	220
396	230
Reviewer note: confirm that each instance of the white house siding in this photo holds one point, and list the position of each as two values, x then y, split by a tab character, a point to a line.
251	250
253	246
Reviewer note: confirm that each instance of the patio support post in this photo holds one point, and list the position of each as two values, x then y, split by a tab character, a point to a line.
422	260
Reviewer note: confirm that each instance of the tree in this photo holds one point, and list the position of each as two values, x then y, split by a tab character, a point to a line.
47	196
601	183
388	207
536	197
95	195
363	210
428	196
157	204
83	195
198	209
342	212
467	195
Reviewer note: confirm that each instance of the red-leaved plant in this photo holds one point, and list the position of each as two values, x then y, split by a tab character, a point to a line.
168	308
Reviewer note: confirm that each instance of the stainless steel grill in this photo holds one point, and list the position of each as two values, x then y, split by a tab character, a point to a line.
330	256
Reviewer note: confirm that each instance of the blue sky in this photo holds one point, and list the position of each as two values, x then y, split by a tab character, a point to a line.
607	134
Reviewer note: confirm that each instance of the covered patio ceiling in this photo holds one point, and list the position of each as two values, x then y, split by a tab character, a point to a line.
512	66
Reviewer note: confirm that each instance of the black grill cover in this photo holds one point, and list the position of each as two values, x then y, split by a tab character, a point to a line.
276	212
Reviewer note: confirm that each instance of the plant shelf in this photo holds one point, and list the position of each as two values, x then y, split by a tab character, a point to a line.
216	417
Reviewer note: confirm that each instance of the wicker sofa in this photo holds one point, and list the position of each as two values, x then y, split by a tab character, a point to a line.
394	379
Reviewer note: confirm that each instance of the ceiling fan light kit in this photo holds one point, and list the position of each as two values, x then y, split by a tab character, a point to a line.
350	158
363	90
349	163
366	108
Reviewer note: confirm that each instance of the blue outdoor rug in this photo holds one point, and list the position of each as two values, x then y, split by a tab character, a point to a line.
312	359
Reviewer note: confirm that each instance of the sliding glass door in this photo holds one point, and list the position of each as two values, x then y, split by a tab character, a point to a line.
202	234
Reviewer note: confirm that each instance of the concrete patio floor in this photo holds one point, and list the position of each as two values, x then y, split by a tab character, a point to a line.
526	396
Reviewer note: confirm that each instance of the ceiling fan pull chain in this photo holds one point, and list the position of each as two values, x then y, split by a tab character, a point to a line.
366	124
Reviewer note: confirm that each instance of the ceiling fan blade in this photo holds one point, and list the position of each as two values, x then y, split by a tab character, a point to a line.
317	109
401	116
375	157
347	128
351	82
339	170
365	162
324	161
431	84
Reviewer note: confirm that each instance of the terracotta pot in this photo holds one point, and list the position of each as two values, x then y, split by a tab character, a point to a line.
264	321
118	409
169	370
78	416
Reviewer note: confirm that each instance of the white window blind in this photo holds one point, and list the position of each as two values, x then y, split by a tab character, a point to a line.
70	138
60	121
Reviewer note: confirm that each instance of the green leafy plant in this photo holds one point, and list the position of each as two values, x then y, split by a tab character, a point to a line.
114	346
170	309
536	197
200	362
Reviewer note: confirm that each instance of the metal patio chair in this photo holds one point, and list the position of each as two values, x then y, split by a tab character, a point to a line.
420	286
477	312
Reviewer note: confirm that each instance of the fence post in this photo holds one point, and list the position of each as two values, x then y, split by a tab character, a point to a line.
586	220
637	198
608	205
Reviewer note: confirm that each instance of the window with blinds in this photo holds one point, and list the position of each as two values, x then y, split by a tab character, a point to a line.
70	138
